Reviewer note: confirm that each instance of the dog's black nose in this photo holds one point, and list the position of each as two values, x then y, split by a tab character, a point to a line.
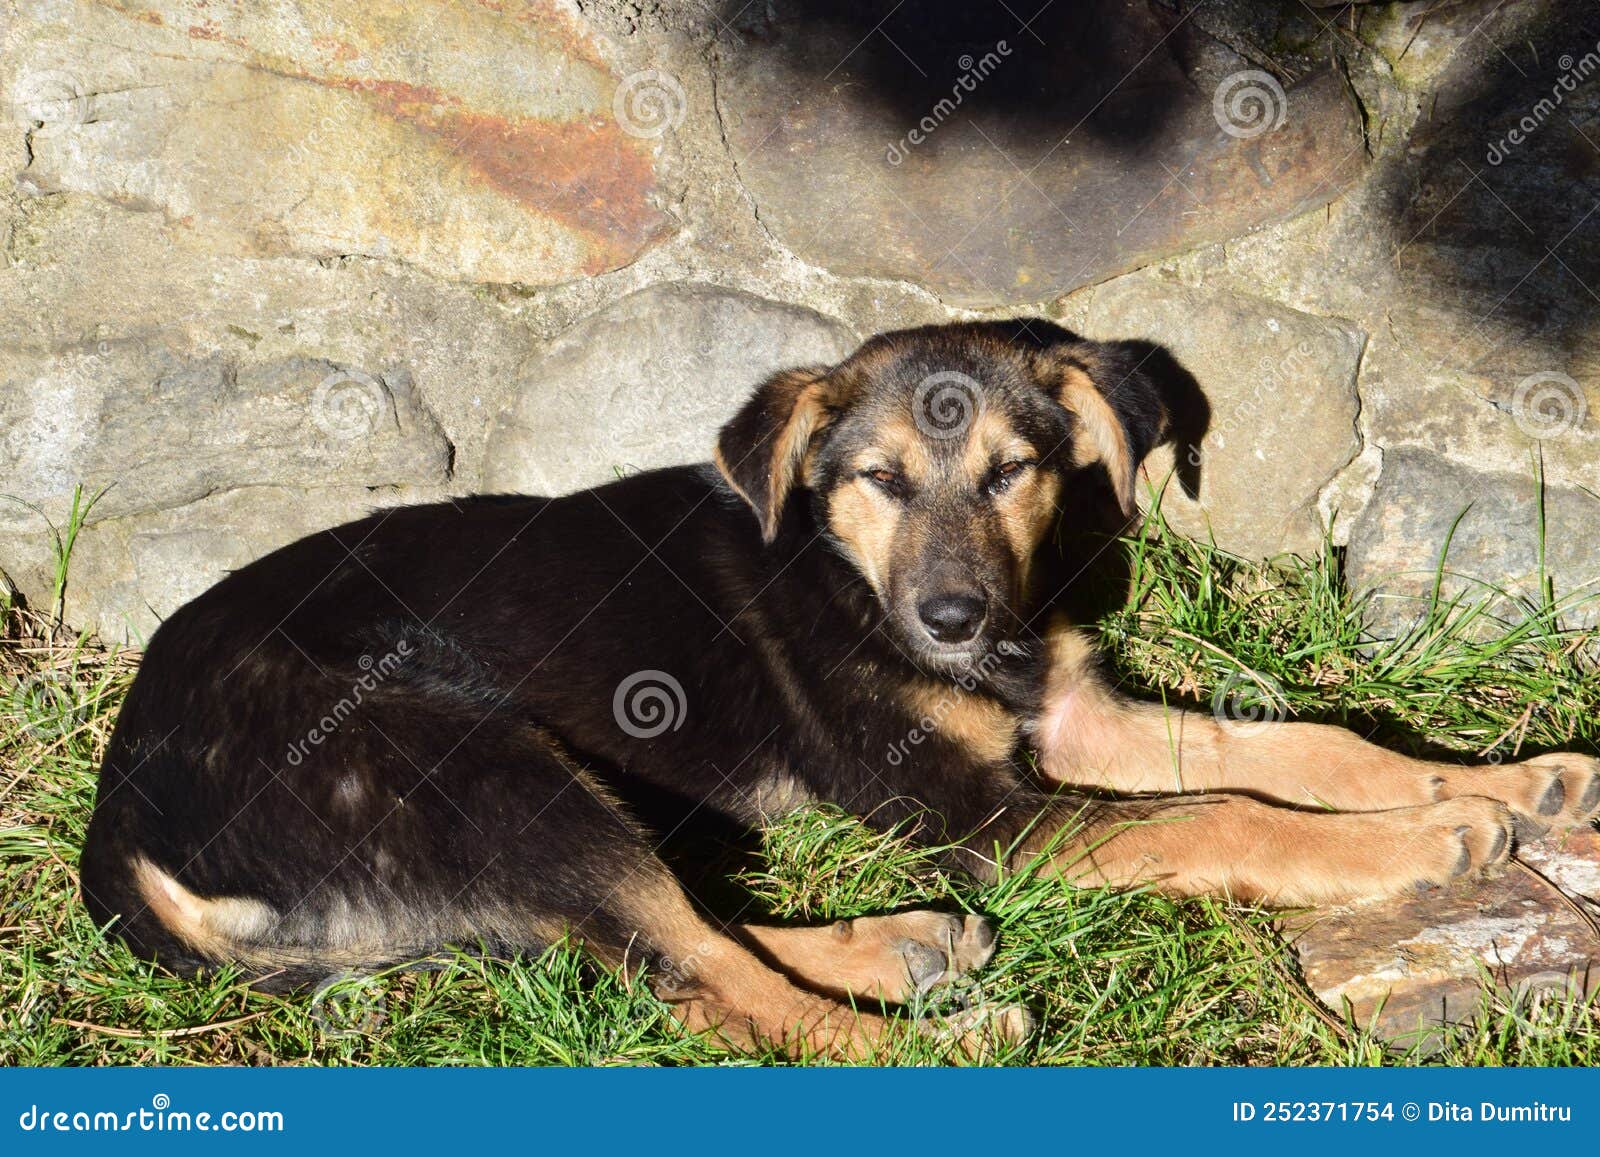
952	618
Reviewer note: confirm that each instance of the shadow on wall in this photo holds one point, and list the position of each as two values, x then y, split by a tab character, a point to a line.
1109	68
1011	95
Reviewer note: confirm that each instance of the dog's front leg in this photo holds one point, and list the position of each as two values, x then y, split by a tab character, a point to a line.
1090	735
1240	847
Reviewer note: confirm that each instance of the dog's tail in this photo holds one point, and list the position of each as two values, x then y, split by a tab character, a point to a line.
244	931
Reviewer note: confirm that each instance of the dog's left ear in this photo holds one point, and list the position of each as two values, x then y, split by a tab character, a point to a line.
1117	404
762	448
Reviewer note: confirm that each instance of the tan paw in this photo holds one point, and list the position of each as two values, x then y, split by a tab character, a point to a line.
927	948
1439	842
892	958
1559	790
938	949
982	1033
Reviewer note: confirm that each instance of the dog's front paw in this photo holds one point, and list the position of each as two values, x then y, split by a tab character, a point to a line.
938	948
1455	838
1559	790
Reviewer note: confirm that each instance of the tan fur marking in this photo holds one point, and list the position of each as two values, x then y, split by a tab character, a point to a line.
899	443
714	984
224	929
717	984
1027	511
865	522
1089	736
1397	821
1103	438
991	440
1235	846
866	958
792	441
980	725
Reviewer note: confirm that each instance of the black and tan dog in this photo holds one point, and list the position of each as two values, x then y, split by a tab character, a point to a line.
444	724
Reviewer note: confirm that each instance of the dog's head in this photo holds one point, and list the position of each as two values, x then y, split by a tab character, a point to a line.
938	461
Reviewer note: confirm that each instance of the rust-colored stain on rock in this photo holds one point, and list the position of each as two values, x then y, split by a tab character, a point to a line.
589	175
582	173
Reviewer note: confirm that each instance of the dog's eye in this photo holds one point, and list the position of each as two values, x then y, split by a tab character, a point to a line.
888	479
1005	474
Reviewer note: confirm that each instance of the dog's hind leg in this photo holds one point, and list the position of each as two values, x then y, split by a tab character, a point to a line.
891	958
417	825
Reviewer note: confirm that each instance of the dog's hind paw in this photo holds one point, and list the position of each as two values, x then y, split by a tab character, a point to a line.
984	1032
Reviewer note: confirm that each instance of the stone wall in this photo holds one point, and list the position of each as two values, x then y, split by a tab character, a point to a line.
270	264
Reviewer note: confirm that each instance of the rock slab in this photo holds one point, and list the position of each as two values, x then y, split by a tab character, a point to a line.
1015	169
1281	385
1427	509
646	383
1406	966
479	142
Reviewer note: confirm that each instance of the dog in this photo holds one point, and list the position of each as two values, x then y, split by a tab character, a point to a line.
474	723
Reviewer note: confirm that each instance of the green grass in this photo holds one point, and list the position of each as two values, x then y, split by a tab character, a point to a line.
1112	978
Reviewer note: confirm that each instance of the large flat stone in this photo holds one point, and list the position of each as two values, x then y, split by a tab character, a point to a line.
1491	525
1406	966
1046	165
646	383
1282	390
154	430
477	141
1470	257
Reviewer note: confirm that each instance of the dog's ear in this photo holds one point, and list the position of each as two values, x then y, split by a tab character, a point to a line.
1111	391
763	447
